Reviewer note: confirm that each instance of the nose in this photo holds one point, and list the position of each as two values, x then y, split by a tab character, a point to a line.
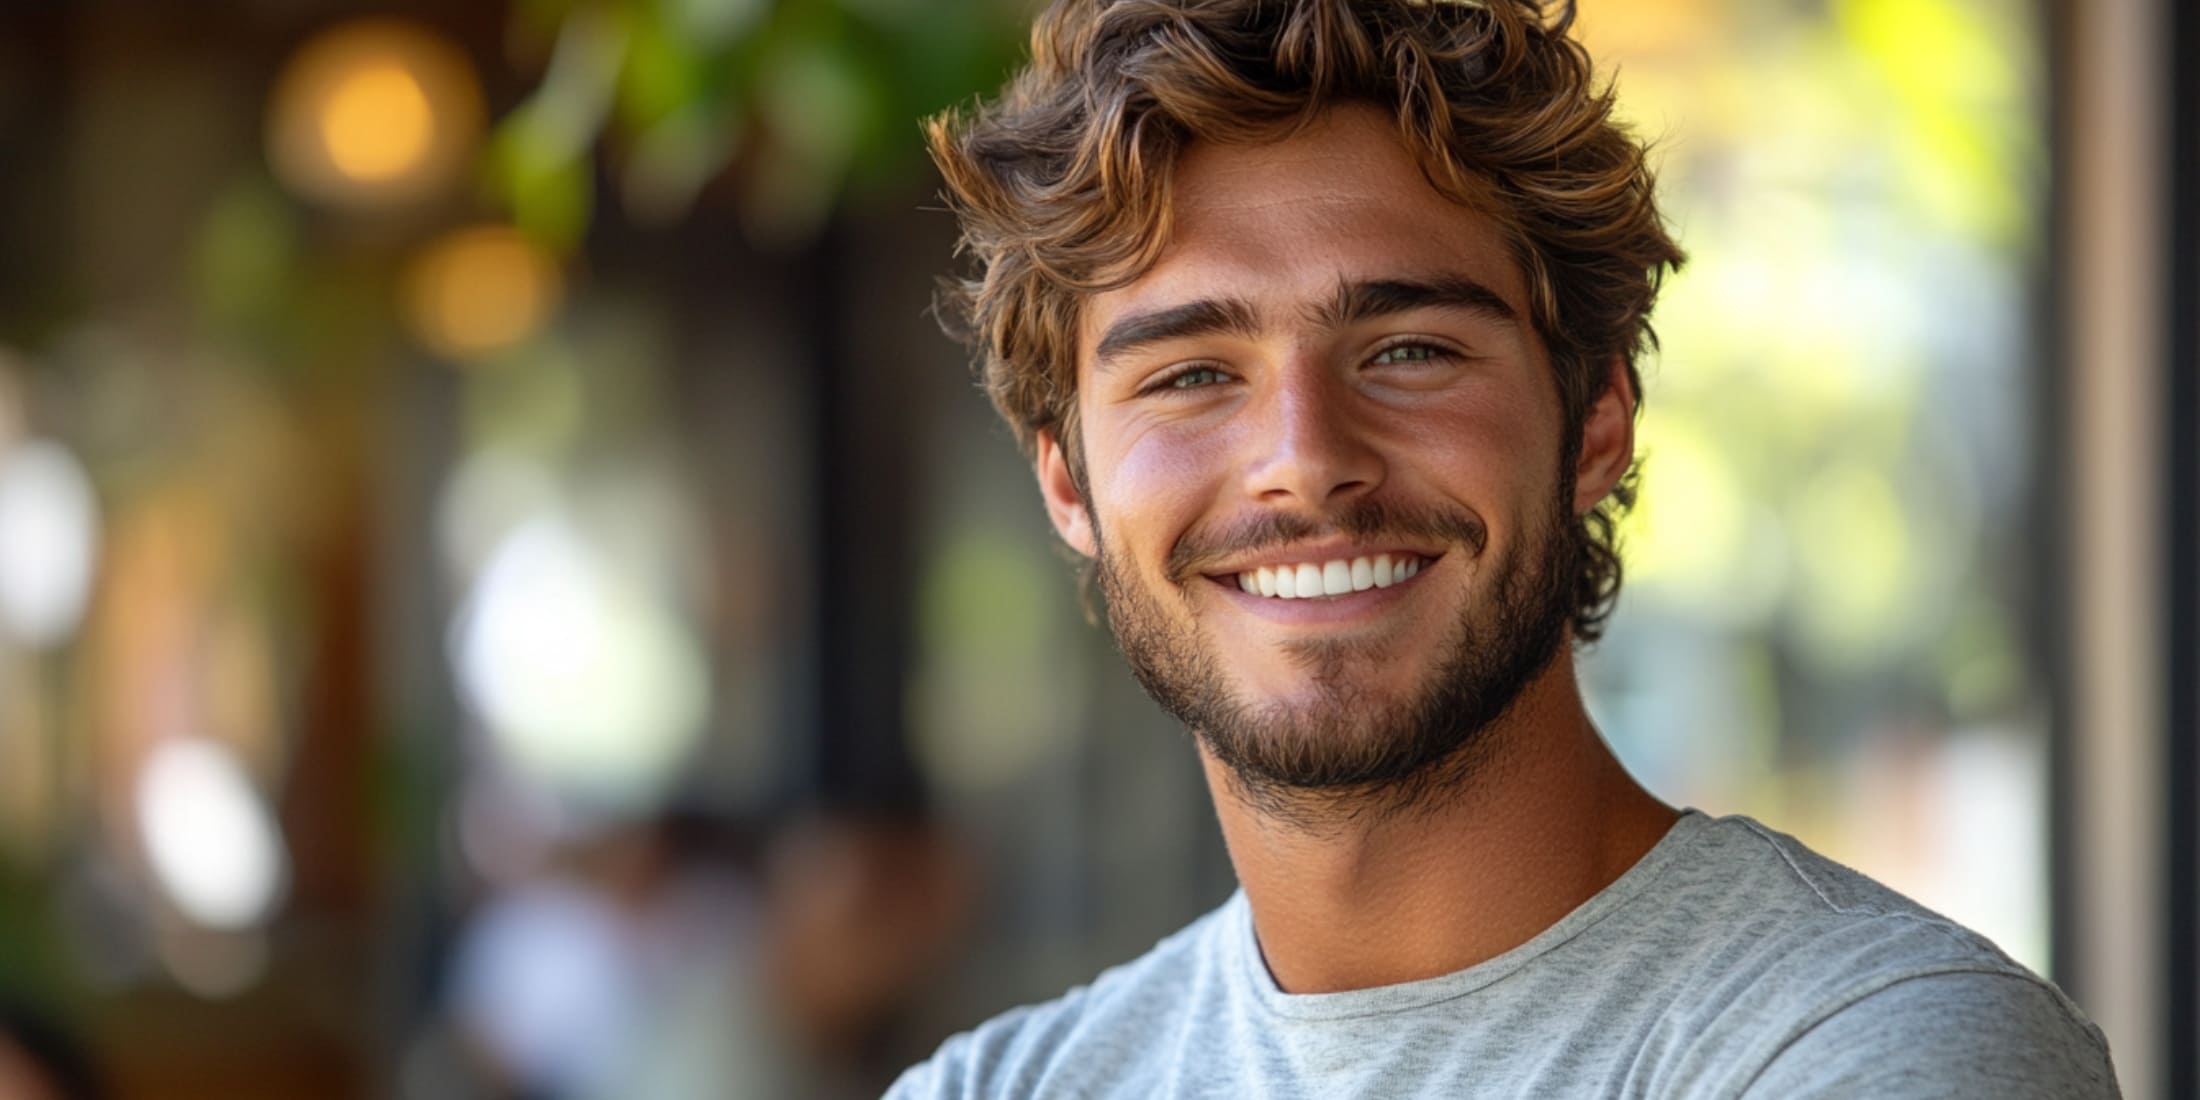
1312	447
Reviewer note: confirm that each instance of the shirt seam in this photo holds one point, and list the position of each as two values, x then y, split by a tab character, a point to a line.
1788	858
1947	930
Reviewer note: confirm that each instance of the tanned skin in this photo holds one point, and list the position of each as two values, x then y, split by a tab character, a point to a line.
1288	411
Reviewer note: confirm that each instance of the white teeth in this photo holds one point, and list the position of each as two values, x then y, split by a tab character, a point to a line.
1336	578
1330	578
1309	581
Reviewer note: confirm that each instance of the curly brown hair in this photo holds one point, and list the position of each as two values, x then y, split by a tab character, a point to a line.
1062	185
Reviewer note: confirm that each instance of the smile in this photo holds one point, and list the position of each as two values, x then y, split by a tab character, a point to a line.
1339	577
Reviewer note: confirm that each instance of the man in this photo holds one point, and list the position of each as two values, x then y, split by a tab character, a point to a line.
1319	319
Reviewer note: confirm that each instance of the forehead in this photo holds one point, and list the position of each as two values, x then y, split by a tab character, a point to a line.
1283	224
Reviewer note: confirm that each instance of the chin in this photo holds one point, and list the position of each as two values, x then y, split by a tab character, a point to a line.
1384	716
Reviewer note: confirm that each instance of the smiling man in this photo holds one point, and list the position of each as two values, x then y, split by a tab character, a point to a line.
1319	320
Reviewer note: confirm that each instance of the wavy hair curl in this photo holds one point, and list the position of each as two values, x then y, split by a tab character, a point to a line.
1062	184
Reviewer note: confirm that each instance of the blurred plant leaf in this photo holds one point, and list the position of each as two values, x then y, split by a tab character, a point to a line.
549	196
796	98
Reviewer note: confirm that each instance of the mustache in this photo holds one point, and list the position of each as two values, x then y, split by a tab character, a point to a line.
1362	521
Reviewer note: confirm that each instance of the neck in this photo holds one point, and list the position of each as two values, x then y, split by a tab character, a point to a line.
1351	900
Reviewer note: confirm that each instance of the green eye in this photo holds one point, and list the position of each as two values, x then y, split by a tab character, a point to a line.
1407	353
1195	378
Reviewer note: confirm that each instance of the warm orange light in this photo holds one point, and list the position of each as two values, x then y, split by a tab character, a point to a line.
479	291
373	113
377	124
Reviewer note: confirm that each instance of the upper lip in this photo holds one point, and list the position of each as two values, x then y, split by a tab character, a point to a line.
1315	552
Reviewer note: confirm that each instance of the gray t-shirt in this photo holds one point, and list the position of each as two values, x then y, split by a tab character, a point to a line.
1729	962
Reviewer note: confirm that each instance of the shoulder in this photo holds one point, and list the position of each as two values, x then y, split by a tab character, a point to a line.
1947	1032
1858	990
1756	887
1097	1028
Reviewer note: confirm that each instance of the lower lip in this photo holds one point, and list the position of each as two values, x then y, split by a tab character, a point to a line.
1322	610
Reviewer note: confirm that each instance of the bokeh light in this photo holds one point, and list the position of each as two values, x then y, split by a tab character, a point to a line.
584	675
479	291
212	844
377	124
372	113
49	524
491	494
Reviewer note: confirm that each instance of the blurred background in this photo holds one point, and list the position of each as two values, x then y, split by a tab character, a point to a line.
505	592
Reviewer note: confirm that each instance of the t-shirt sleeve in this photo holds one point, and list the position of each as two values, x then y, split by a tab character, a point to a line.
1002	1057
1972	1033
944	1076
918	1082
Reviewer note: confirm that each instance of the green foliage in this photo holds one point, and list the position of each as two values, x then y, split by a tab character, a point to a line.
782	106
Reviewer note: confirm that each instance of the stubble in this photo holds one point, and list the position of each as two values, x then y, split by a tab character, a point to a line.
1342	752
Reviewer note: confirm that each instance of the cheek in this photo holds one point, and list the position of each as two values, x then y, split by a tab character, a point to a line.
1160	481
1496	443
1497	455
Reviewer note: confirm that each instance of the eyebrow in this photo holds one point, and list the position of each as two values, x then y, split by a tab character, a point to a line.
1367	299
1205	317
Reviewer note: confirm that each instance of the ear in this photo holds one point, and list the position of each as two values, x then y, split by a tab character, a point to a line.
1065	505
1607	440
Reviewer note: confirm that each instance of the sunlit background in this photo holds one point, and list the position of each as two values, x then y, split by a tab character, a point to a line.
504	590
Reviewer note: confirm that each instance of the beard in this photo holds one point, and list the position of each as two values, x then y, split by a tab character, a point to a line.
1345	750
